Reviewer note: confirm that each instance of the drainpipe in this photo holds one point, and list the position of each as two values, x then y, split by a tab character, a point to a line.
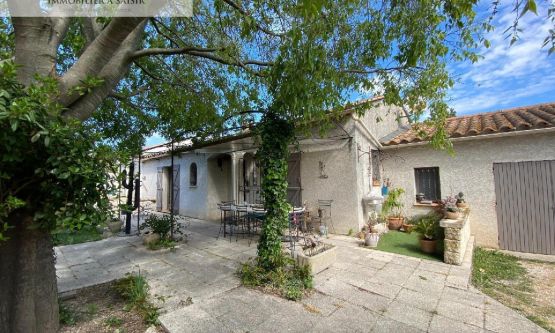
172	194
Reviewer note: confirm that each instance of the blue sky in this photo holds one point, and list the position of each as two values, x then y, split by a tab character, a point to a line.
507	76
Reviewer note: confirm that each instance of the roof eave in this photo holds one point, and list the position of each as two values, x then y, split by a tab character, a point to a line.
474	137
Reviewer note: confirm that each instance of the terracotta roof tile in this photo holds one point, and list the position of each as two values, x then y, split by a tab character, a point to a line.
510	120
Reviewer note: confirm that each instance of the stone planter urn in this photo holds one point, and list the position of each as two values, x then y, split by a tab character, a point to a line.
319	261
150	238
372	239
427	245
114	226
100	229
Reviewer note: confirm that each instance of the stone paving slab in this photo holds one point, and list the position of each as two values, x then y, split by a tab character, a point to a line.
364	291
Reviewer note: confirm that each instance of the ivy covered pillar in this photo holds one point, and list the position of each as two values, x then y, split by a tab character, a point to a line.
276	134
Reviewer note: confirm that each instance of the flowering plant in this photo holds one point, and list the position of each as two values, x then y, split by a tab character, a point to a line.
450	204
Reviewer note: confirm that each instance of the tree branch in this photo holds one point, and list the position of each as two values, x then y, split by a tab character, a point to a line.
99	53
243	12
171	51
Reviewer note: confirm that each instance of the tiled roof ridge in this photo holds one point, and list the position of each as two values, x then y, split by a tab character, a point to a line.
516	108
521	118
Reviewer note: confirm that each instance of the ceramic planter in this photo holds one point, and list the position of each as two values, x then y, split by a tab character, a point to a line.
395	223
408	227
452	215
372	239
428	246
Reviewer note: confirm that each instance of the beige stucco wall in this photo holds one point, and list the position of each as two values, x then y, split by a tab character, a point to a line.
469	171
339	186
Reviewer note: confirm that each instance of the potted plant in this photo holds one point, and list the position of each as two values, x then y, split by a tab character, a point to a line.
428	227
419	197
461	203
393	208
451	210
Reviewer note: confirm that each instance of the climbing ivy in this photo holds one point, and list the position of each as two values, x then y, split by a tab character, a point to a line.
276	133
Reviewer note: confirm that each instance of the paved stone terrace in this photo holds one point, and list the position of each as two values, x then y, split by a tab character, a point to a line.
364	291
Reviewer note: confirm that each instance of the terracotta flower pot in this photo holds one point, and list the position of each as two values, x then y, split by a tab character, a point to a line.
462	205
395	223
408	227
428	246
452	215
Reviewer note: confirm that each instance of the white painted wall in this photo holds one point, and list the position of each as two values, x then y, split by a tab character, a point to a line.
192	199
469	171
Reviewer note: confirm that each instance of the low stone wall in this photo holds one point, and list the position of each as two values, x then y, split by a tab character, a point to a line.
457	235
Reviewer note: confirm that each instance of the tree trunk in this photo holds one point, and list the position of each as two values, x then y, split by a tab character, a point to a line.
28	290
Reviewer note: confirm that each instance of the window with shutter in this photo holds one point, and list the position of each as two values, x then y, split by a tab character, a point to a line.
193	175
427	182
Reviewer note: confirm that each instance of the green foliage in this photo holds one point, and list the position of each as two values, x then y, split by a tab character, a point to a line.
276	134
393	205
134	289
161	244
49	166
113	321
83	235
428	226
159	224
289	281
67	315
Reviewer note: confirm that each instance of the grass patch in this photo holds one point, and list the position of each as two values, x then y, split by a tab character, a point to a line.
114	321
291	282
503	277
68	237
134	289
496	272
408	245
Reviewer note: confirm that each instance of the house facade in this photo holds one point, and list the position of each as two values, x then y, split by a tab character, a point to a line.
503	162
381	144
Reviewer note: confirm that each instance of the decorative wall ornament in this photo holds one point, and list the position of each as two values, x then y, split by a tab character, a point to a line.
322	167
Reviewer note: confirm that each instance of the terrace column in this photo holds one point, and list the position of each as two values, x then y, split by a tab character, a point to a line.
236	177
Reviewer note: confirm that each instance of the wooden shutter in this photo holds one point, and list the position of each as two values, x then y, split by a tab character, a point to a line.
175	187
294	180
159	178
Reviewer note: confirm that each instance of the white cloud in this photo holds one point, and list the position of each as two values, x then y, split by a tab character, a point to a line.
507	75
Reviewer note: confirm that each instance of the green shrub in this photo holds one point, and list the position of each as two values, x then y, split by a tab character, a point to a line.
134	289
290	281
67	314
428	226
160	225
393	205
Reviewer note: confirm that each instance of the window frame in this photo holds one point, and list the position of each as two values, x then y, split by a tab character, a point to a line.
193	168
418	172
